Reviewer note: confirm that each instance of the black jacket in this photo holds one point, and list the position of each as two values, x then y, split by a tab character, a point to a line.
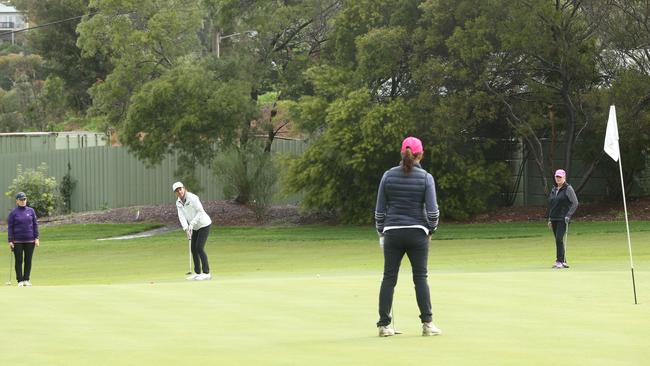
406	200
562	203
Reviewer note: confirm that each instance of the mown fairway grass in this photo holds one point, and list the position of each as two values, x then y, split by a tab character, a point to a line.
308	296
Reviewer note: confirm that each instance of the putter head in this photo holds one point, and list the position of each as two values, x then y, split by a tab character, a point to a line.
188	273
7	283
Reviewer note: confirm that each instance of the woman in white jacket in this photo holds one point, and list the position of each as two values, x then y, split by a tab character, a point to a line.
196	223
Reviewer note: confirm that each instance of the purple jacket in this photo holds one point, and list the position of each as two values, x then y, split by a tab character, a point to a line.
22	225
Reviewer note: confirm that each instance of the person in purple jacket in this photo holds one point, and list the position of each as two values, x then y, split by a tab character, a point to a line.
22	229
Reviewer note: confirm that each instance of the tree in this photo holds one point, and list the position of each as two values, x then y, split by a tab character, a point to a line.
57	44
187	110
151	42
538	64
624	29
170	93
273	43
14	68
28	102
373	88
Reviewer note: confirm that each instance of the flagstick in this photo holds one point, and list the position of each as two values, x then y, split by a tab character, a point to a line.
627	226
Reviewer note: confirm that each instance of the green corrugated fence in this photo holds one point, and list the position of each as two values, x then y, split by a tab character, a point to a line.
111	177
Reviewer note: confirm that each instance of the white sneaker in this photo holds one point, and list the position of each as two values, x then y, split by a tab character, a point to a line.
385	331
27	283
203	276
21	284
192	277
430	329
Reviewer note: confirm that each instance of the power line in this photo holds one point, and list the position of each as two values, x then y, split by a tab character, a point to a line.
70	19
47	24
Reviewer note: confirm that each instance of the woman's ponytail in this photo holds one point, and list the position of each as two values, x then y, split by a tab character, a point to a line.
408	161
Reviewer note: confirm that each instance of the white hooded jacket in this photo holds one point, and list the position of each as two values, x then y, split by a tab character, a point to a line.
191	213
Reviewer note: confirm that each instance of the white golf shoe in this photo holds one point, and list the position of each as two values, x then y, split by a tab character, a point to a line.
430	329
21	284
27	283
386	331
192	277
203	277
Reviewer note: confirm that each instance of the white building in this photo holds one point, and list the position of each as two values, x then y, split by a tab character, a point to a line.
11	21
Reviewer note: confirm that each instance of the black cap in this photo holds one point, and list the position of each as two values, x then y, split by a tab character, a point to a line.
21	196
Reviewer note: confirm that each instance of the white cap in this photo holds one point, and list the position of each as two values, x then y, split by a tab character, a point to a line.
176	186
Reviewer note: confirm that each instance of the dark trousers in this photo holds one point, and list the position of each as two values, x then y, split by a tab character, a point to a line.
199	237
559	229
415	244
25	250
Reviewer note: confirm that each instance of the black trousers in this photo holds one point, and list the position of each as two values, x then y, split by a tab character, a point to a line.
26	251
199	237
414	243
559	229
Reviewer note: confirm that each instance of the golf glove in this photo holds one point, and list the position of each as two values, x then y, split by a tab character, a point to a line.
189	233
381	242
566	220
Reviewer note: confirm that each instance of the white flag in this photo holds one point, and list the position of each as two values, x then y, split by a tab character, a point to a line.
611	136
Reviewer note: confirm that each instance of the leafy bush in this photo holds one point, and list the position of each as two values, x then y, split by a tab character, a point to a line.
39	188
341	169
249	176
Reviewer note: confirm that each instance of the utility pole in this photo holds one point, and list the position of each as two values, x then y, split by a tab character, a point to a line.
219	37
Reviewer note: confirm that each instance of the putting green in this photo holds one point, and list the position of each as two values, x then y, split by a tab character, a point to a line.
309	296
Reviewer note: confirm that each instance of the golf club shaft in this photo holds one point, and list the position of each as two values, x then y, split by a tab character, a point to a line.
392	316
392	312
10	252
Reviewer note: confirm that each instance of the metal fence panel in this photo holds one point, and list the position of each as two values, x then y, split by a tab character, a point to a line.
111	177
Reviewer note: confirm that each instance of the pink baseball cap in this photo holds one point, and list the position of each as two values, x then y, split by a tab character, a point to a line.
413	143
560	173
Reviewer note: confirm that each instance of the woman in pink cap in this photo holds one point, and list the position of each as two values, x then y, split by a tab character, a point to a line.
405	216
562	204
